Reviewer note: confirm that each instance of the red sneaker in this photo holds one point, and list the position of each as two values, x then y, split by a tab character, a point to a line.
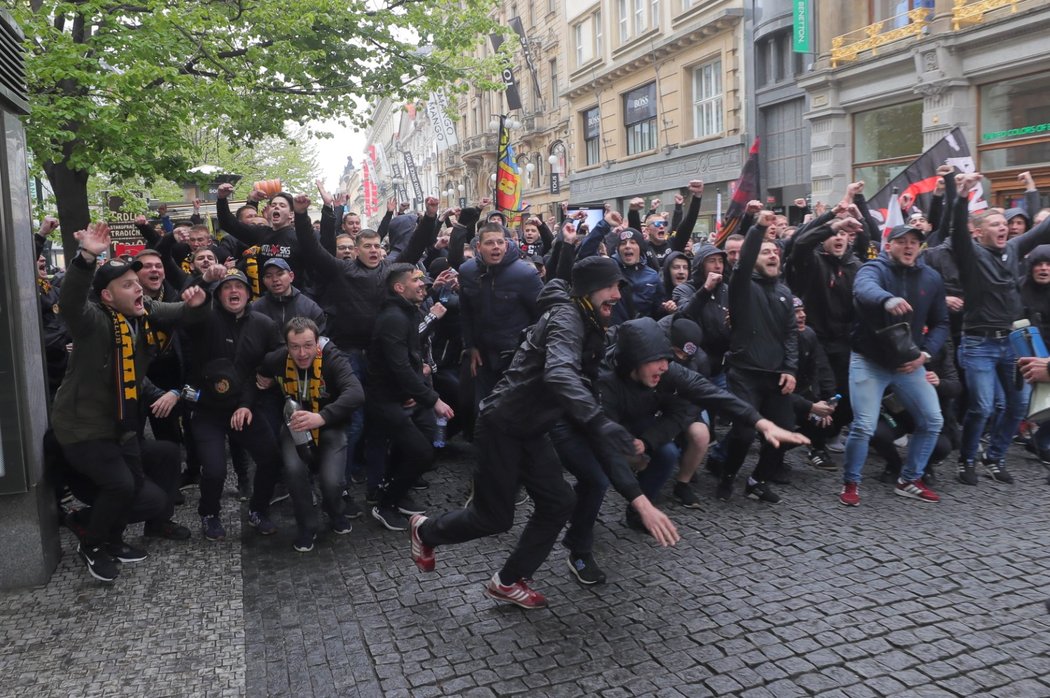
850	495
916	489
422	555
517	593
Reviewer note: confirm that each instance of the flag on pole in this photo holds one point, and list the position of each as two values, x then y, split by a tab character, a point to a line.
718	211
508	175
746	189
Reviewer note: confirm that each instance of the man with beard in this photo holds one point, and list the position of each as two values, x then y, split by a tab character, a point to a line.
96	414
762	359
551	378
225	353
401	403
497	296
990	271
894	286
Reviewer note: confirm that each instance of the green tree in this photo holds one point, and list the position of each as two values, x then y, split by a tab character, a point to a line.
114	84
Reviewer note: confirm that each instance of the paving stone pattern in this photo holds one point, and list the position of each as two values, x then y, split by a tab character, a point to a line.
807	597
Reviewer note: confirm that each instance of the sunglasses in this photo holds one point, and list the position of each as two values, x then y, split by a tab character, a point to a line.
659	224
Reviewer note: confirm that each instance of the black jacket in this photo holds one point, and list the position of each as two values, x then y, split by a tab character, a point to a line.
395	356
272	243
341	392
815	381
353	293
497	302
764	336
825	283
991	277
224	354
555	370
284	308
709	309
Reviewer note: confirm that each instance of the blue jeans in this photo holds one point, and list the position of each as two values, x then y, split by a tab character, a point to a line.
989	363
867	383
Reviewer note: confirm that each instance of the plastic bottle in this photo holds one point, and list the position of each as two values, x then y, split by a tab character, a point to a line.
439	432
1026	340
833	402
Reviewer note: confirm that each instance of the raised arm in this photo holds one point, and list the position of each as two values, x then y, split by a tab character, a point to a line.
680	234
251	234
424	235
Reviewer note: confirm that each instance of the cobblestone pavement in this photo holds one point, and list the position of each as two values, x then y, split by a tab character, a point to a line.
806	597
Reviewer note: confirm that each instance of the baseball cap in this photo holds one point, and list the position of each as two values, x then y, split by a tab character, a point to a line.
900	231
113	269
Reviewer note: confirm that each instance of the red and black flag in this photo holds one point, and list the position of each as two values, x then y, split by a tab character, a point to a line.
746	189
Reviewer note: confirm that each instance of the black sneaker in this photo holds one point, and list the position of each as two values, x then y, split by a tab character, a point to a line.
390	518
350	508
408	506
99	563
724	491
212	528
889	475
782	475
585	569
261	523
372	496
967	472
820	459
762	492
358	476
304	541
996	469
166	529
341	525
244	492
420	484
189	480
125	553
685	495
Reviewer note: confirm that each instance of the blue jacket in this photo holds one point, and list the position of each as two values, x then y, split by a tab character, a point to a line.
647	292
881	279
498	302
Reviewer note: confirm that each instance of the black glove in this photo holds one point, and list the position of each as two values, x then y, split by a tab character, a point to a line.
611	434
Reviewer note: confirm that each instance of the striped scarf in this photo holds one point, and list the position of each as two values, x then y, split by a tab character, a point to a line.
186	265
44	284
251	270
290	386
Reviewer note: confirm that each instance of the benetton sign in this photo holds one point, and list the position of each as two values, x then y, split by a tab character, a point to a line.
802	39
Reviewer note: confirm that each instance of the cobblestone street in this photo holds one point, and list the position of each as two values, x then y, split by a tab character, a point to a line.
806	597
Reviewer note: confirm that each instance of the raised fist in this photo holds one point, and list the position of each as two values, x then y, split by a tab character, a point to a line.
696	187
224	190
301	203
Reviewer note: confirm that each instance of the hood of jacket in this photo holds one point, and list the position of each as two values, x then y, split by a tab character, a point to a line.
698	277
400	230
640	341
1011	212
665	269
554	293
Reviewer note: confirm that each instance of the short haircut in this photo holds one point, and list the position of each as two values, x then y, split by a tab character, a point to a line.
200	228
348	214
735	236
246	207
368	234
348	236
193	257
144	252
979	218
490	228
298	325
397	274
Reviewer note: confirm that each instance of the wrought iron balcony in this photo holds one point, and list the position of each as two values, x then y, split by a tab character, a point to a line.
897	28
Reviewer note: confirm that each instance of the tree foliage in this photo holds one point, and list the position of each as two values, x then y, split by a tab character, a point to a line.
115	84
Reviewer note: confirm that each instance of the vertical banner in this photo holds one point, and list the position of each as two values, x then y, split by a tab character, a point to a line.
400	192
746	189
444	127
413	174
508	176
801	38
519	29
511	85
368	184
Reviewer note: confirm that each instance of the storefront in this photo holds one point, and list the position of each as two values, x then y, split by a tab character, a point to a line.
1014	136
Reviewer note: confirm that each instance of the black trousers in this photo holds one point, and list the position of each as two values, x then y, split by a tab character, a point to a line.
403	439
124	483
504	462
210	429
761	390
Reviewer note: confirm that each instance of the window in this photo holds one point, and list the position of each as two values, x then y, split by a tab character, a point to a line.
555	91
624	21
592	133
707	100
634	15
639	118
1015	123
654	19
686	4
639	16
552	5
581	54
896	11
597	22
885	141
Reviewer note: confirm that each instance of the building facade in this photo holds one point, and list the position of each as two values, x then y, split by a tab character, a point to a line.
656	89
892	77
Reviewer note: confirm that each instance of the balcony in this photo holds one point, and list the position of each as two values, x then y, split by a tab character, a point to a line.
908	25
964	12
479	144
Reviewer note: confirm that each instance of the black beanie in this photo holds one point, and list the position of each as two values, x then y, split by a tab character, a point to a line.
593	273
686	335
630	234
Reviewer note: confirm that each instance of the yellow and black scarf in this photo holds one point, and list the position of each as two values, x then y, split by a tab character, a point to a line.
290	386
124	367
251	270
44	284
186	263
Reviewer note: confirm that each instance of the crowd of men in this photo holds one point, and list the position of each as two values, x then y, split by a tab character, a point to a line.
339	360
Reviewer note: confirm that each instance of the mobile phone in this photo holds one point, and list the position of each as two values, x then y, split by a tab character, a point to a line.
594	215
